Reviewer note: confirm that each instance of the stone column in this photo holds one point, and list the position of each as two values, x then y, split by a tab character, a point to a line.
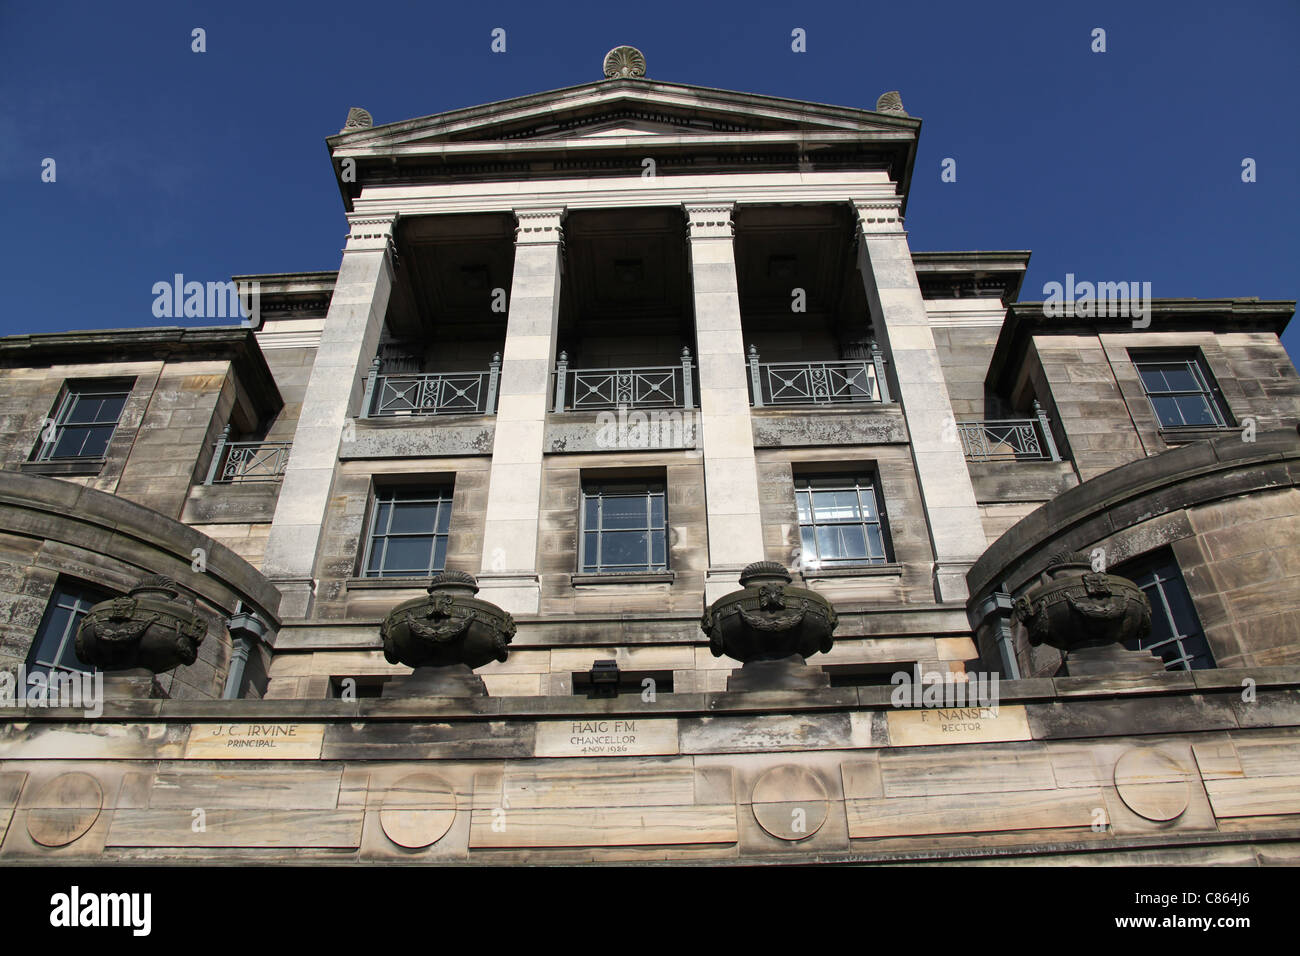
730	472
348	341
903	331
509	570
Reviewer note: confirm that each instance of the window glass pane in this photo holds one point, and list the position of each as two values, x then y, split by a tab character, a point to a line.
1167	411
868	498
624	549
835	505
801	503
408	554
95	443
1159	619
444	515
45	649
1180	603
381	517
1179	378
413	517
1195	410
657	511
841	542
110	409
621	512
875	543
439	553
68	659
808	540
657	549
590	553
376	556
590	508
83	410
1152	378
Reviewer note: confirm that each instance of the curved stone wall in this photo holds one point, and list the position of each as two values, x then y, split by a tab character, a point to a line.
1227	509
52	530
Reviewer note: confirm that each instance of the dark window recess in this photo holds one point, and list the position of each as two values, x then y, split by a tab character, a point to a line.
624	528
408	533
1176	634
629	682
1181	392
55	645
840	522
84	423
363	687
867	675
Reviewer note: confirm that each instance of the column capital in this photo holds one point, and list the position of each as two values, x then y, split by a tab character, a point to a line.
880	216
371	230
710	220
540	225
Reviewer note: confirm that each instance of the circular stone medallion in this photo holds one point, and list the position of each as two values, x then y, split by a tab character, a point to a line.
790	802
418	811
1152	784
64	809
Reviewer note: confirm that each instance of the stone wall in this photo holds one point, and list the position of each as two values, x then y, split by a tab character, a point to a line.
1086	771
56	529
341	591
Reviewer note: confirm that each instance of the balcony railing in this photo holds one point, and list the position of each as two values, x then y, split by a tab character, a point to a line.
817	383
432	393
662	386
1011	439
237	461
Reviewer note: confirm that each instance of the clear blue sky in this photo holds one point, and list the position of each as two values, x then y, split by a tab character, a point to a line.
1117	165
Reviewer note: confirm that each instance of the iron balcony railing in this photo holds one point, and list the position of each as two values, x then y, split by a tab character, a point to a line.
663	386
1011	439
432	393
236	461
817	383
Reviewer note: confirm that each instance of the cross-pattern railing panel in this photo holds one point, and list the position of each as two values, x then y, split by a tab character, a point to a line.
431	393
1011	439
660	386
436	393
845	382
236	461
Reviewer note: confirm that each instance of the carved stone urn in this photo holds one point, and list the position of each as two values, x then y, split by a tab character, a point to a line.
1088	615
154	628
444	637
771	628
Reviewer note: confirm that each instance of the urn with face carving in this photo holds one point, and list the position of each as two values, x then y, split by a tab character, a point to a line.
156	627
768	620
1074	607
448	627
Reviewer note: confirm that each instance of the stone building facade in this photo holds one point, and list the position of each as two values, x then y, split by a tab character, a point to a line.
602	348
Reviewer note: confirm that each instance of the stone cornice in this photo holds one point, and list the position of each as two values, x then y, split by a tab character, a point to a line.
1146	692
1027	319
236	344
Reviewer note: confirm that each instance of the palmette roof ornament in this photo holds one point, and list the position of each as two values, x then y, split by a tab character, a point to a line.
624	61
357	119
890	102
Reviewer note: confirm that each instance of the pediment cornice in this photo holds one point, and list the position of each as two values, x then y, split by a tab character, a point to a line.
653	109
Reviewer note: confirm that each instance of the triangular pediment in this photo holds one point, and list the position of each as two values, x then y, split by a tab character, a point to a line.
623	108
